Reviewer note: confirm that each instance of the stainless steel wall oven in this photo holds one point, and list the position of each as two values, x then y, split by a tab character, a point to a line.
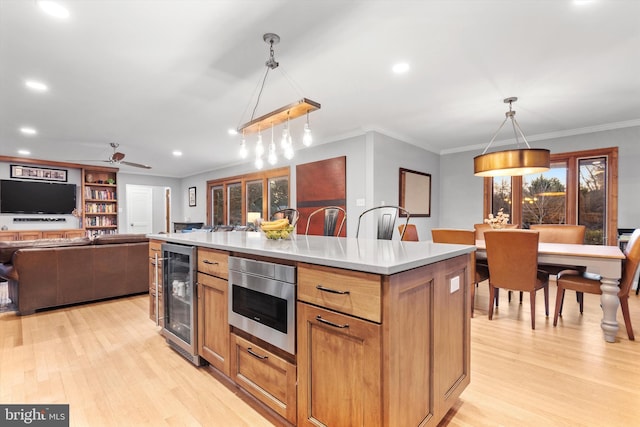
262	301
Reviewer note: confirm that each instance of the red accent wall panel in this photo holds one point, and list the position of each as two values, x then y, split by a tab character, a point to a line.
319	184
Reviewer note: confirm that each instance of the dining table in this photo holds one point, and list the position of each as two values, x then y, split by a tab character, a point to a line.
605	261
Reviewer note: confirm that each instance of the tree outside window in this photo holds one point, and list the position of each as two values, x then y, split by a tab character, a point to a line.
580	188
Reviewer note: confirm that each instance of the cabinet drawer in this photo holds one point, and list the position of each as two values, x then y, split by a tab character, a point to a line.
155	247
346	291
213	262
269	378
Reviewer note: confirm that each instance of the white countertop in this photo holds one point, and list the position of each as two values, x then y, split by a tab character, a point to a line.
368	255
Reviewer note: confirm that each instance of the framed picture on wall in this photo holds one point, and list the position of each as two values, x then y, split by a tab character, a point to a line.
415	192
192	196
44	174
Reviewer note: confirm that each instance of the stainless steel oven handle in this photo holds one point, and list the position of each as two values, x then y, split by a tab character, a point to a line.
254	354
333	291
335	325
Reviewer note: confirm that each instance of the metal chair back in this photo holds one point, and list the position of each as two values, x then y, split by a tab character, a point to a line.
331	219
387	215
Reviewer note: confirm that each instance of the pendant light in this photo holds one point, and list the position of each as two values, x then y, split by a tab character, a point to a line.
282	115
516	162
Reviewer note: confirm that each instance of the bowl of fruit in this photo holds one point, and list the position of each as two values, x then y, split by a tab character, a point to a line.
278	229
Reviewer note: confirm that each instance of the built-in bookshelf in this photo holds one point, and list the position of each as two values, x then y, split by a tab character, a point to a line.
100	201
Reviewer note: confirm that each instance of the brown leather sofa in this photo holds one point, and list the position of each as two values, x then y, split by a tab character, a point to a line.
49	273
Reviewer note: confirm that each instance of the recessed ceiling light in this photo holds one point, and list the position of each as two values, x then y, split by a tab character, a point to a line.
232	132
400	68
54	9
36	85
28	131
24	152
177	153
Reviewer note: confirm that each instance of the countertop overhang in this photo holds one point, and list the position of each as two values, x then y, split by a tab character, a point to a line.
368	255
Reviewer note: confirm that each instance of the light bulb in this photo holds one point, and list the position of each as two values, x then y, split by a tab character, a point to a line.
285	138
259	146
288	152
307	138
259	163
272	158
243	149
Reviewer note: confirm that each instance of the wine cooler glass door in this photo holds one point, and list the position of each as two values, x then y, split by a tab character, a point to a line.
179	308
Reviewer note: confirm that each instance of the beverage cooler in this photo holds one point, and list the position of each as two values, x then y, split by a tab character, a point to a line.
180	300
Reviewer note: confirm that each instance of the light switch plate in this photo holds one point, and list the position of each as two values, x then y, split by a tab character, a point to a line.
454	284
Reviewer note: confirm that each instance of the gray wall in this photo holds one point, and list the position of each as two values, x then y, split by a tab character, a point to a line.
461	191
373	162
158	182
74	176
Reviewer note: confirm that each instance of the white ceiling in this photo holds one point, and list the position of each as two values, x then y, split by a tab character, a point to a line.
158	76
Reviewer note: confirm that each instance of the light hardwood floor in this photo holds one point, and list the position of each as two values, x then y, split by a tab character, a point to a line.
109	363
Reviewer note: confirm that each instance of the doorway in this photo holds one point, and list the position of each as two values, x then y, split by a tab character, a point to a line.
148	209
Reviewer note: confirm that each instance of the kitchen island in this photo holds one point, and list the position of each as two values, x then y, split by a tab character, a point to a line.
382	328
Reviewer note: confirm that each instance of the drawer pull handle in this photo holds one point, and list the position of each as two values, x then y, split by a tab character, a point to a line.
335	325
206	261
156	250
333	291
254	354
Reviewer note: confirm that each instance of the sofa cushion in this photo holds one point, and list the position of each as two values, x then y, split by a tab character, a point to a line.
109	239
8	248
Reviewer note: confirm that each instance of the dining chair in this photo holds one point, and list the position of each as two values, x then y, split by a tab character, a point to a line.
590	283
410	234
386	217
292	214
331	219
482	227
479	272
560	233
512	256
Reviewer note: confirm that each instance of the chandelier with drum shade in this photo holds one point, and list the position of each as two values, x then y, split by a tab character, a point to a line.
523	161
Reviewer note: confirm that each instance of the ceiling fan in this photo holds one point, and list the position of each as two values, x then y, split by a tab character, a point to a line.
117	158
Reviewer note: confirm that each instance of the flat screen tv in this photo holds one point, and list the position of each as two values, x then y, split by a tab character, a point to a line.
26	197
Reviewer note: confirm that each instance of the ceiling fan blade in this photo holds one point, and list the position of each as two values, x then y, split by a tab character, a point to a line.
137	165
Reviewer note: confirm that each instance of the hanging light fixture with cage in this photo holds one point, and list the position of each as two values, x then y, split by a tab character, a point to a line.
274	118
516	162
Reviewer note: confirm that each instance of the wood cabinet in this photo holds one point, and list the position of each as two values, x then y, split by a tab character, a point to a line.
63	234
339	371
100	201
407	368
213	303
156	303
40	234
271	379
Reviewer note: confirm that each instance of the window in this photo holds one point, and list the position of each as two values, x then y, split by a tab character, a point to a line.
217	205
592	198
254	200
580	188
544	196
242	199
234	205
278	194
